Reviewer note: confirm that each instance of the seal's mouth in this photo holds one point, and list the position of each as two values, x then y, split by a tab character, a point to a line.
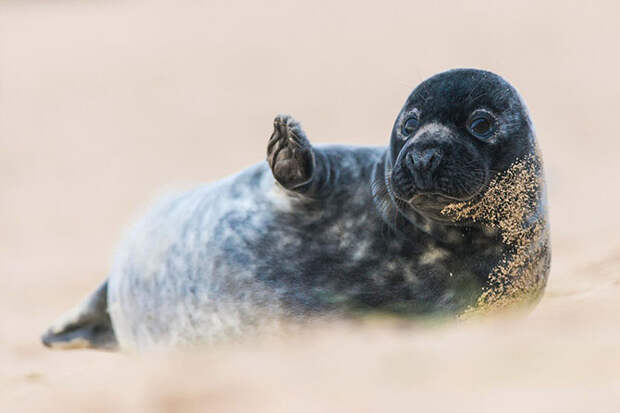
407	191
429	202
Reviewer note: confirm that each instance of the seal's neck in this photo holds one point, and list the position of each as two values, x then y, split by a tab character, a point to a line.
403	219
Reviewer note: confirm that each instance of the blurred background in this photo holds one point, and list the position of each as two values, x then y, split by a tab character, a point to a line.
106	105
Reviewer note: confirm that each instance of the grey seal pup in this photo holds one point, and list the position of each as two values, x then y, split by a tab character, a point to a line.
449	219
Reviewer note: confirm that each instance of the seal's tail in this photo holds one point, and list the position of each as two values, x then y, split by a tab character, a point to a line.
86	326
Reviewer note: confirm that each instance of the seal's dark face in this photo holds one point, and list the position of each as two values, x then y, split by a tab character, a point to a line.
456	131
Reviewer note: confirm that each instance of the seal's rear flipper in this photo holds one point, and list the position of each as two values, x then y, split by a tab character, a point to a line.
86	326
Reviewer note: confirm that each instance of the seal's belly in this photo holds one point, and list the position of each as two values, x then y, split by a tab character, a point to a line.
182	274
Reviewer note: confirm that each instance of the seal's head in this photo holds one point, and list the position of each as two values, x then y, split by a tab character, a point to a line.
455	133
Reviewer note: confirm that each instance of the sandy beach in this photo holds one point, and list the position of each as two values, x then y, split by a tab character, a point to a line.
106	106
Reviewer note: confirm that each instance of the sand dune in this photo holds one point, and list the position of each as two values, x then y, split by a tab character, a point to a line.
106	105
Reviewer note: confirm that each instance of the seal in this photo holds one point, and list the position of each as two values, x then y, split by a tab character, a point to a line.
449	219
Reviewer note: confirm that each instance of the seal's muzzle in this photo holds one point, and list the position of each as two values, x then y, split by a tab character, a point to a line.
419	162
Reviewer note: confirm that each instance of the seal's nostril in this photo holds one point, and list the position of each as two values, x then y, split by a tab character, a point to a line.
428	159
410	163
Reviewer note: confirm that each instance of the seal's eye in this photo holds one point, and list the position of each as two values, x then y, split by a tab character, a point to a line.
410	125
482	126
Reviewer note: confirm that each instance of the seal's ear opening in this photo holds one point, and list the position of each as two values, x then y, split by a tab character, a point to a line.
86	326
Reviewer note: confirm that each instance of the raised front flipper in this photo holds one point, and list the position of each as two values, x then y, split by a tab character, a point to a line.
296	165
86	326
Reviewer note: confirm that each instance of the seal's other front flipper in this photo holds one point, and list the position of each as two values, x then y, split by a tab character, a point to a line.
86	326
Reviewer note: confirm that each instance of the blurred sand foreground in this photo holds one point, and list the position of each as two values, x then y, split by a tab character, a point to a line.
104	105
